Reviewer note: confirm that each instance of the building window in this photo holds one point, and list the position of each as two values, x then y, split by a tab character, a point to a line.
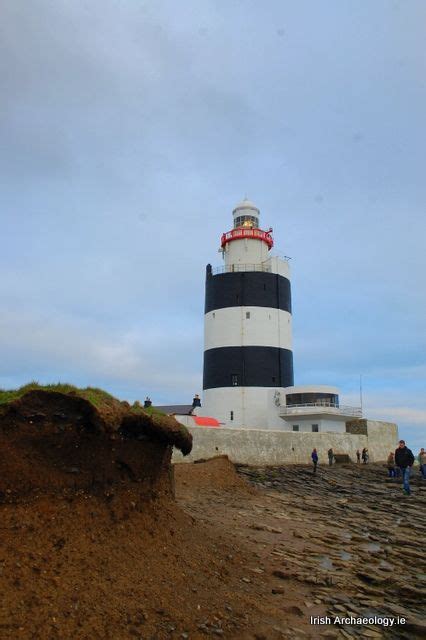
314	428
248	315
295	427
234	379
232	415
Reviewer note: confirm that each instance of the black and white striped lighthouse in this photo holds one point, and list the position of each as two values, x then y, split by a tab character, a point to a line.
248	360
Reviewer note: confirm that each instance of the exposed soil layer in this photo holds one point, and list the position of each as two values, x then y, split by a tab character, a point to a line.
58	411
58	442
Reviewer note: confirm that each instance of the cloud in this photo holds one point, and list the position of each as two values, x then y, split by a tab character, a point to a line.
68	349
129	131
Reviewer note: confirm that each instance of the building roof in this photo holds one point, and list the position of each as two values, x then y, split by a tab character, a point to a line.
180	409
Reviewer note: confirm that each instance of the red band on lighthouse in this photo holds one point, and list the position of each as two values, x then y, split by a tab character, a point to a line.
242	234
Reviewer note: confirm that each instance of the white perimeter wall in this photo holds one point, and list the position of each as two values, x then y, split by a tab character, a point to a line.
266	447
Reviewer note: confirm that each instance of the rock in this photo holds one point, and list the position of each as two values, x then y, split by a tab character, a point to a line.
295	610
264	527
416	625
371	578
283	575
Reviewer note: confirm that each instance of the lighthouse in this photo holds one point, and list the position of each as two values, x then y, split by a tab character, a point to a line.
248	359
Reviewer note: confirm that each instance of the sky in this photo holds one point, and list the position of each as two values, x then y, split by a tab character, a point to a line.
129	130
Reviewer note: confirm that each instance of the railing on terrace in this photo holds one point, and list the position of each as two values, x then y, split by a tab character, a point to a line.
355	412
231	268
241	233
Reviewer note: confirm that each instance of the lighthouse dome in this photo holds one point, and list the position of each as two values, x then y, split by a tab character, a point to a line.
245	204
246	214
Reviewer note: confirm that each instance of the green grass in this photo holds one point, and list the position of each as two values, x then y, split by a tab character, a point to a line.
97	397
138	408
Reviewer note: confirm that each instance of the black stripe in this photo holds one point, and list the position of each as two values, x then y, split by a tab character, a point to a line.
247	289
253	366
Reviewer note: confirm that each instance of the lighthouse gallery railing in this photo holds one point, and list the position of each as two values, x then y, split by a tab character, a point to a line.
231	268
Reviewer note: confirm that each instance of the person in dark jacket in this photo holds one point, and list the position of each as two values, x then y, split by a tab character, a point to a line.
314	456
196	402
404	459
330	454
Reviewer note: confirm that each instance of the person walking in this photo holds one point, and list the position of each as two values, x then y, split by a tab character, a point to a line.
330	454
358	456
391	465
365	455
422	462
404	459
314	456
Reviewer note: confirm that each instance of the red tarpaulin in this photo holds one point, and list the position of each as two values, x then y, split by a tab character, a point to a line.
206	422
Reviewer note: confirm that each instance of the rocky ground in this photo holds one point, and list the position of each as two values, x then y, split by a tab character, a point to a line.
344	542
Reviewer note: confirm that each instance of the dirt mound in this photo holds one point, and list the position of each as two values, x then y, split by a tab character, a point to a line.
53	441
86	567
163	428
216	473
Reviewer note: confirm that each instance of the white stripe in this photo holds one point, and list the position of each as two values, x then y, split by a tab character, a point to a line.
230	327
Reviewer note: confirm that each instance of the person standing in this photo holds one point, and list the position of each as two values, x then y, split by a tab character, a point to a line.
404	459
314	456
364	455
391	465
422	462
196	402
358	456
330	454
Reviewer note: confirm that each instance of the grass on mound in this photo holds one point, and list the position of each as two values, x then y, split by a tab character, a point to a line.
151	411
99	398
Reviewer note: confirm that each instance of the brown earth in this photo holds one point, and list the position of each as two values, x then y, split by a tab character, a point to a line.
248	555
